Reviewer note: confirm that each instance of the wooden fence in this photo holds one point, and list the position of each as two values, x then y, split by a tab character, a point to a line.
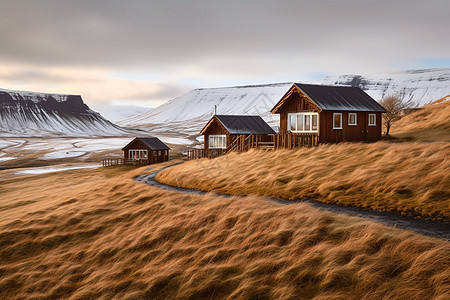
242	143
116	162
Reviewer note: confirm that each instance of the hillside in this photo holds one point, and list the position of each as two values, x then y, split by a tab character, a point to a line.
430	123
420	87
411	179
107	236
28	114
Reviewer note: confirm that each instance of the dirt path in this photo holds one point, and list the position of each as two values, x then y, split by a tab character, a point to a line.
425	227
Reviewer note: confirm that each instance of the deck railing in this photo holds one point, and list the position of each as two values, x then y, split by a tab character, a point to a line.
295	140
204	153
116	162
242	143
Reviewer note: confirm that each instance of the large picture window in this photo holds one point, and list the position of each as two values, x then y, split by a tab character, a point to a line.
372	120
337	120
303	122
137	154
217	141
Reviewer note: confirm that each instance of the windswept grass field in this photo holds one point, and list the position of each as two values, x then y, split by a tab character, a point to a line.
410	178
87	234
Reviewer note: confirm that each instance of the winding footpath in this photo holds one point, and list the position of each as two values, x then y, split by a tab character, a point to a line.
424	227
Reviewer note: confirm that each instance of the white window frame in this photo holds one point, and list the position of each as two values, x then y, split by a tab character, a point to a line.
302	117
217	141
335	114
374	119
137	154
356	119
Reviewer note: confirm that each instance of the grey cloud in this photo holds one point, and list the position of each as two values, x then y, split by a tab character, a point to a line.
169	34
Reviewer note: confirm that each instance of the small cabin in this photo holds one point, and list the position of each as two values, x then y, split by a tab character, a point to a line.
149	149
222	130
334	113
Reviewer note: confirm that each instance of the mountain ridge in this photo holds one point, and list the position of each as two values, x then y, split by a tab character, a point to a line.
24	113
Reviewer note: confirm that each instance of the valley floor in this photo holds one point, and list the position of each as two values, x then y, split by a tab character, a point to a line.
41	152
99	234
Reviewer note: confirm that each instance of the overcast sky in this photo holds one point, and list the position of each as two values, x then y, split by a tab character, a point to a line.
146	52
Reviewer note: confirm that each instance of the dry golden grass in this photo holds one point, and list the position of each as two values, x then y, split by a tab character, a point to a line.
412	179
98	234
431	123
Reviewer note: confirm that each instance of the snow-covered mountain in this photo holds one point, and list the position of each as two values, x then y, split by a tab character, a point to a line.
188	113
39	114
199	104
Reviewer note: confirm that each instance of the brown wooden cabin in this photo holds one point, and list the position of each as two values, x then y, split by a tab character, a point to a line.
149	149
222	130
335	113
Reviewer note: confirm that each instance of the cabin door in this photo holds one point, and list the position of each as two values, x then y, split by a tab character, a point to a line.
364	127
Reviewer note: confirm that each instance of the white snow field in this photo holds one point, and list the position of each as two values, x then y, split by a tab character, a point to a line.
44	170
175	141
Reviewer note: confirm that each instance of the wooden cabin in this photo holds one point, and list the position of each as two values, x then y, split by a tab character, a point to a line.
147	149
334	113
223	130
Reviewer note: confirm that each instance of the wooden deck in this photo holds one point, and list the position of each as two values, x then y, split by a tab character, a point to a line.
116	162
246	142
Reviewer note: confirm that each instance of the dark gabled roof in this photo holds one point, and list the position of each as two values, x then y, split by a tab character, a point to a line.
152	142
242	124
338	98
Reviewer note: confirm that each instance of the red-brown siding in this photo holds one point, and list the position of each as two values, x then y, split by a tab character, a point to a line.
161	155
215	128
361	132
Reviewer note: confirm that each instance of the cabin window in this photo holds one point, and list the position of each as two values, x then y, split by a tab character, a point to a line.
337	120
303	122
352	119
154	153
293	122
314	122
159	152
217	141
372	120
137	154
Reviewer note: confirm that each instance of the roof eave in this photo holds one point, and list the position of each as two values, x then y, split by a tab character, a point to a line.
280	103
